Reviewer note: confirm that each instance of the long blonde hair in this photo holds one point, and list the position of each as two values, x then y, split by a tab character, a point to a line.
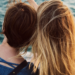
54	43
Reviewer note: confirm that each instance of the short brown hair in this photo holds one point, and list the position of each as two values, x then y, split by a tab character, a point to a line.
19	24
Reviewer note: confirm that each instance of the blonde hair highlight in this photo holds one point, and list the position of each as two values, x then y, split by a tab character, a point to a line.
55	39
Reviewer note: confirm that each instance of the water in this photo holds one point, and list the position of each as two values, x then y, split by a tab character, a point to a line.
3	4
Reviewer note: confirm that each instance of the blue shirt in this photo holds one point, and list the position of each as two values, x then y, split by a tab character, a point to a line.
25	71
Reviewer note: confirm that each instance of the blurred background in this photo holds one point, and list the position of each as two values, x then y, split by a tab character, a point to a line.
3	5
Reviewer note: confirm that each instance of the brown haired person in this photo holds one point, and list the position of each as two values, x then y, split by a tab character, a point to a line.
55	41
18	28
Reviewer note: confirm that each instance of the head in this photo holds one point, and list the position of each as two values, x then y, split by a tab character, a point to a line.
55	39
19	24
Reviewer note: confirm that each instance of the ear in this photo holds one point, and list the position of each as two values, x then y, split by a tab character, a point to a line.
3	30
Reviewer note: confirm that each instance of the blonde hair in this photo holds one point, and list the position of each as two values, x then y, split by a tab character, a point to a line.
54	43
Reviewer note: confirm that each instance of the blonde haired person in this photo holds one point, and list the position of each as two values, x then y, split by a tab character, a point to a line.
55	41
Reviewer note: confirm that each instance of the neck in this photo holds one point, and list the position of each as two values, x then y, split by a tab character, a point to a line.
8	48
7	52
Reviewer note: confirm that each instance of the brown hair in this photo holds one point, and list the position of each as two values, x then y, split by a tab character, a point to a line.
55	40
19	24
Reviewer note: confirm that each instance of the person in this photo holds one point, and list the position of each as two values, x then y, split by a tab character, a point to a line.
55	39
18	28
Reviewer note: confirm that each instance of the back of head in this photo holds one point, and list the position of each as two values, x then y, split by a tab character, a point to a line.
55	39
19	24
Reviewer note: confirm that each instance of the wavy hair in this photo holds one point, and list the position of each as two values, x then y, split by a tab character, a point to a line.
55	41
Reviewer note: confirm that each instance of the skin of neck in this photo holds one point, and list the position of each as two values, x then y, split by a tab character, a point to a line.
9	53
8	48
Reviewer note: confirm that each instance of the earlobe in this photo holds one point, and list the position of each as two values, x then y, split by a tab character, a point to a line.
3	30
